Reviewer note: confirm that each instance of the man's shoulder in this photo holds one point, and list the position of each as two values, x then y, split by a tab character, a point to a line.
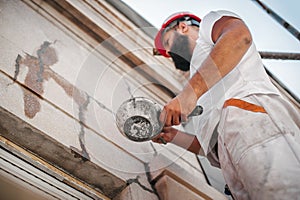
208	21
220	13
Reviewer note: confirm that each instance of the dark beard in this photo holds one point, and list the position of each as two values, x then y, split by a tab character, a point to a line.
180	52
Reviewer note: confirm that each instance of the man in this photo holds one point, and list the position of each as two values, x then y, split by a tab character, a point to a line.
247	128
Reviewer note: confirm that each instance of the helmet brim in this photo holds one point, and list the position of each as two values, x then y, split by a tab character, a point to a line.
159	45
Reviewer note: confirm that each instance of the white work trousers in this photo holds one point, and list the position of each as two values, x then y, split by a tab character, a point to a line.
258	160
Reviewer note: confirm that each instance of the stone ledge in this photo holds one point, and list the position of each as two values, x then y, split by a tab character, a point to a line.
188	177
22	159
136	192
46	148
169	189
169	186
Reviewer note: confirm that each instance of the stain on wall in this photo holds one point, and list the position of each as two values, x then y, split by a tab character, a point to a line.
36	75
39	71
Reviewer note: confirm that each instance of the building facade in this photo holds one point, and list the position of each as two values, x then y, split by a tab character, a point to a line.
65	68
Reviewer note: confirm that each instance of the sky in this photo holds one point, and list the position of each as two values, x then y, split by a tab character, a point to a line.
267	34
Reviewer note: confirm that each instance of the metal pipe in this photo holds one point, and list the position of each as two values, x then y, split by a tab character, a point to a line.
279	55
280	20
263	54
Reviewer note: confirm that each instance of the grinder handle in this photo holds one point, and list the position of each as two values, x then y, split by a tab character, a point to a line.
198	110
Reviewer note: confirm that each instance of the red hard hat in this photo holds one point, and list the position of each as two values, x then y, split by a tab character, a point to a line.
174	17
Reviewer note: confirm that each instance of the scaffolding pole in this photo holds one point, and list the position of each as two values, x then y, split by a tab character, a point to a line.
279	19
263	54
279	55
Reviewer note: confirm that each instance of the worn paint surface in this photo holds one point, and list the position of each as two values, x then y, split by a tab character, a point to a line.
39	71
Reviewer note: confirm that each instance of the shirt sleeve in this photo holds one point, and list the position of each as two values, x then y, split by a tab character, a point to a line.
207	23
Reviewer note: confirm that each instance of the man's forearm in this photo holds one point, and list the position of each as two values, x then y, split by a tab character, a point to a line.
187	141
227	52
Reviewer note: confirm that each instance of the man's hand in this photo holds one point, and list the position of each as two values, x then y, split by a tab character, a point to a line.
167	134
179	138
177	110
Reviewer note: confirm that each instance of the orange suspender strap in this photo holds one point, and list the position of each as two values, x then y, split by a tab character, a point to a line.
244	105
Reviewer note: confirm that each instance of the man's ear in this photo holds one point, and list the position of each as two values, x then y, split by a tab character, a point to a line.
183	27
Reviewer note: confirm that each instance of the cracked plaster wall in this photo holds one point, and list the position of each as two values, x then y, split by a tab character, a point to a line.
53	82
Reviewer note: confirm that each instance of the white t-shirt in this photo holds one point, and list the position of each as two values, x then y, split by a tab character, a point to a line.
248	77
